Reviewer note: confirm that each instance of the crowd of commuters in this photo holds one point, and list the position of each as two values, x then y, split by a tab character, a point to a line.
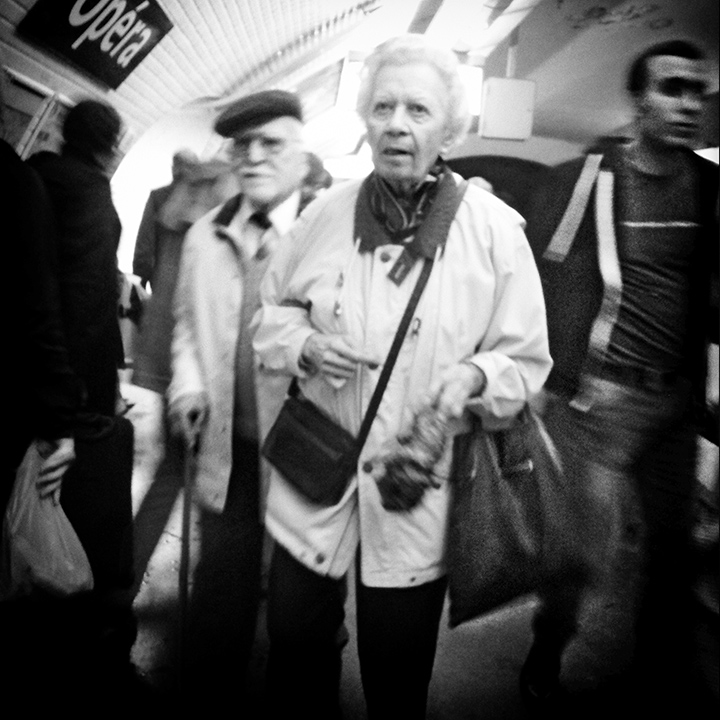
597	308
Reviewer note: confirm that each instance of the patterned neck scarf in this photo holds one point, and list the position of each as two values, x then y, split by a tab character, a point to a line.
381	217
401	216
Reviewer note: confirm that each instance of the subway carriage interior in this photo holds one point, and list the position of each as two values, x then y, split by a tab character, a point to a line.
545	79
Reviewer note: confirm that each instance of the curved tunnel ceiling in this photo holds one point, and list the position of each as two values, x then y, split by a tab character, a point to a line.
575	51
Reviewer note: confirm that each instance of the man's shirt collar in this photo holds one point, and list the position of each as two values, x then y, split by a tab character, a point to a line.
232	218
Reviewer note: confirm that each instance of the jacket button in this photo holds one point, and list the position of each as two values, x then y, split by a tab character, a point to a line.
367	467
385	256
320	558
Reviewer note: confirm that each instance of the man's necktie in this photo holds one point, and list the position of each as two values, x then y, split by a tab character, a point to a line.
261	221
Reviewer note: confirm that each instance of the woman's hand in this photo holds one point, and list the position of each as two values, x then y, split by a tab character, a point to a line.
455	386
334	356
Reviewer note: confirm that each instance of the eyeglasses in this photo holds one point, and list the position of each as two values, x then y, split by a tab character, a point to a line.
268	144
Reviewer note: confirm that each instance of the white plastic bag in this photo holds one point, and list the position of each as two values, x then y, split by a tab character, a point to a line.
40	548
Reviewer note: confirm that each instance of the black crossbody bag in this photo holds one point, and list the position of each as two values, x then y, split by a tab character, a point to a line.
311	451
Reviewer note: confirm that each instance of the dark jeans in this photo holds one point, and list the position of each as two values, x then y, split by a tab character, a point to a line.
225	592
634	451
397	636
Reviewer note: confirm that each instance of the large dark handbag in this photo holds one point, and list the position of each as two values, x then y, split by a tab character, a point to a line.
515	523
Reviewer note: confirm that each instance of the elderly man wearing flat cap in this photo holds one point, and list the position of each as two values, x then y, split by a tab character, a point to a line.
212	395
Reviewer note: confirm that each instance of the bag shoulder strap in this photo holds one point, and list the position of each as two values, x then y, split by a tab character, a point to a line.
402	330
564	236
374	403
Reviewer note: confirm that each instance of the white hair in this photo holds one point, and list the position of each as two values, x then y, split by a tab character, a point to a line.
416	48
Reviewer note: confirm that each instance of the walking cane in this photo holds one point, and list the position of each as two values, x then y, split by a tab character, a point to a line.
183	574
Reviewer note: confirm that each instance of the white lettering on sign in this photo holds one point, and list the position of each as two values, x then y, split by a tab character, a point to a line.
108	20
76	16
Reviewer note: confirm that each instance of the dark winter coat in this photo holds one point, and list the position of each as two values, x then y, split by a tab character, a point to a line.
41	391
86	242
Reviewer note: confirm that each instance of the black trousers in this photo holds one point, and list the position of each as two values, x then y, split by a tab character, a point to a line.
225	591
397	638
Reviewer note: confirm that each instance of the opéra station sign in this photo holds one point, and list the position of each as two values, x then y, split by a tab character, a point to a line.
107	39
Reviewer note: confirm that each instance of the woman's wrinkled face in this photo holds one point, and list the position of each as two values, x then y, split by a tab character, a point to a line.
407	123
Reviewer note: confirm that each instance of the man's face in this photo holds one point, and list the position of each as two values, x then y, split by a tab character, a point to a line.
671	105
271	161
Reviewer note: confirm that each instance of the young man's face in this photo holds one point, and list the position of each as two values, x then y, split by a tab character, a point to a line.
670	106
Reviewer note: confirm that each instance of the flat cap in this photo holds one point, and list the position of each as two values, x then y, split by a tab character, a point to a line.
257	109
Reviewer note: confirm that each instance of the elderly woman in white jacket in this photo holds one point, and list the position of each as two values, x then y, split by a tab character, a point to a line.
332	301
